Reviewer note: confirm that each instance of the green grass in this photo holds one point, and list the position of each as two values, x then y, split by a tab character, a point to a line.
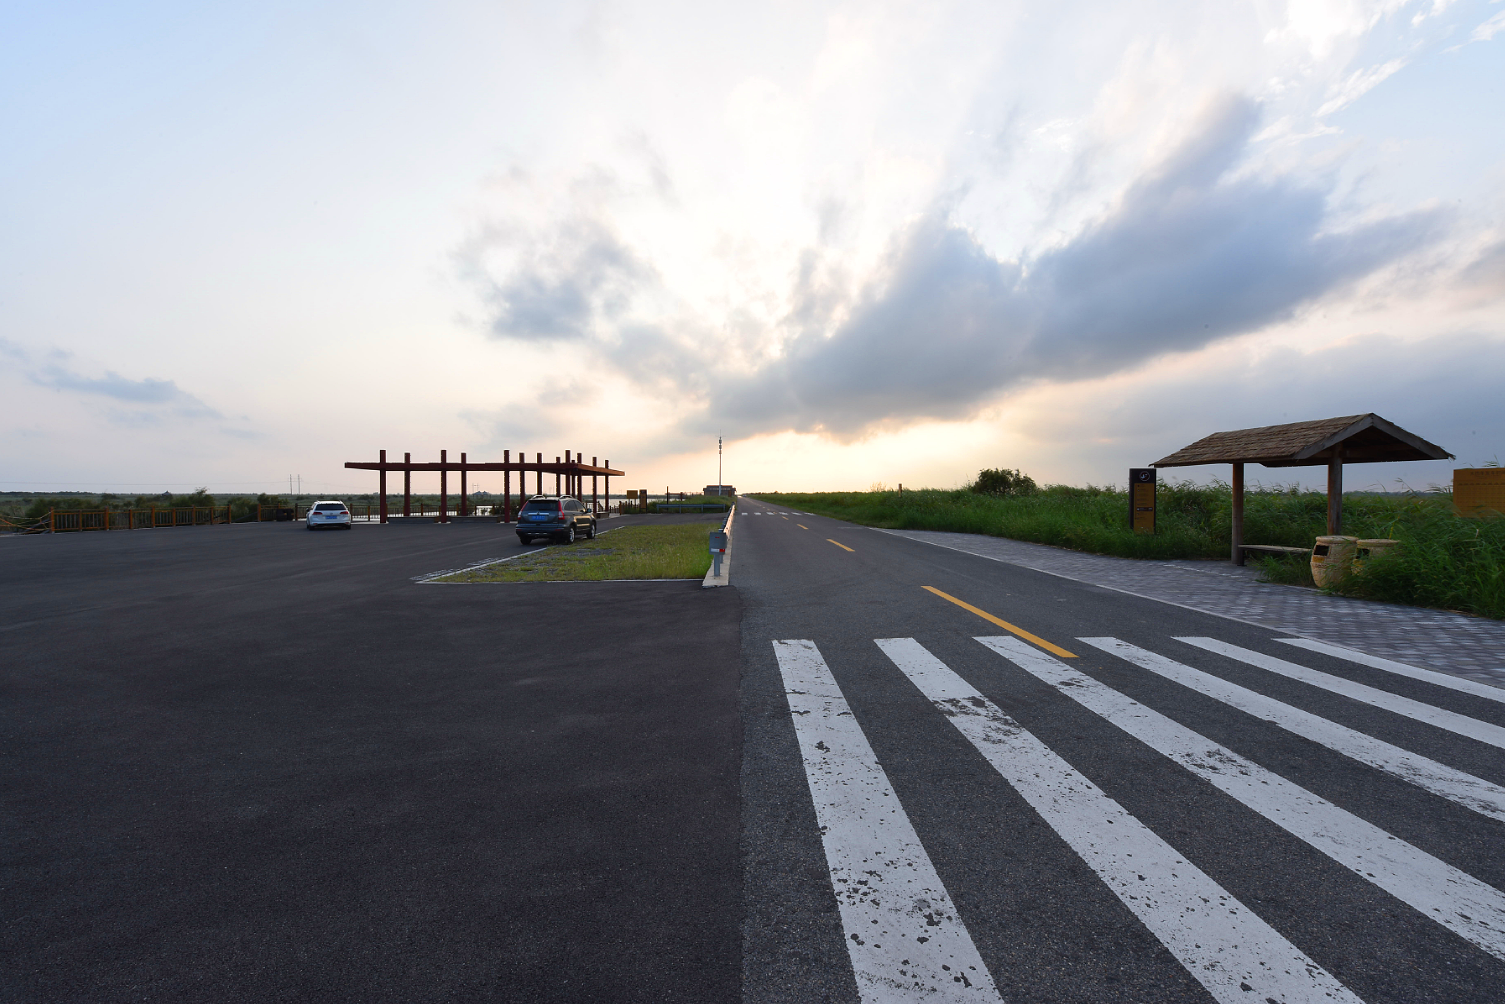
1443	561
677	551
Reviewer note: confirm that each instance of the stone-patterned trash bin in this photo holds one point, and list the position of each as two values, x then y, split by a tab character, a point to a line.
1332	559
1367	548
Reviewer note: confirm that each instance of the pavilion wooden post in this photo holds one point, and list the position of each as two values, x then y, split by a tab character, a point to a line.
557	487
595	484
382	478
407	484
1335	492
607	480
443	487
540	474
506	487
464	488
1238	513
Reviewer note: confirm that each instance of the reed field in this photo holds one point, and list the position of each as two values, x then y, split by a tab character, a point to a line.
676	551
1444	561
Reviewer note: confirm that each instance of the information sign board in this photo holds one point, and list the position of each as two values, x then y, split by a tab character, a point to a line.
1142	499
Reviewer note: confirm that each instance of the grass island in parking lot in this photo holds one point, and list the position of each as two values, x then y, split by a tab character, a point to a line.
676	551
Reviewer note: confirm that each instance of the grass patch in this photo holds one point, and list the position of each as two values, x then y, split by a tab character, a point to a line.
677	551
1443	561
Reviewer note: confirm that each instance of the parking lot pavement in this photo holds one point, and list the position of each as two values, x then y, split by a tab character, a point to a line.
256	763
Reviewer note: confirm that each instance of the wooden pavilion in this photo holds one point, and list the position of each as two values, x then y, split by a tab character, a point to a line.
1353	439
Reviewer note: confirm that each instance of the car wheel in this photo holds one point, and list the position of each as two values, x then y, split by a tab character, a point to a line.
525	541
591	533
569	535
310	526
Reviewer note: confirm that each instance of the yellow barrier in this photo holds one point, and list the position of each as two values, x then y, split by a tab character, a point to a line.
78	520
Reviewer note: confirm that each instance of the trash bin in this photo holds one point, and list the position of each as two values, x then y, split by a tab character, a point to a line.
1370	547
1332	559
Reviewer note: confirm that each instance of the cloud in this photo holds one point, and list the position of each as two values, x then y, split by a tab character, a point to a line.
1135	419
1196	249
112	385
571	282
1489	29
149	396
1191	254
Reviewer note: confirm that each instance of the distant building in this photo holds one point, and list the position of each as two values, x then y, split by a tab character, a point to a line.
719	490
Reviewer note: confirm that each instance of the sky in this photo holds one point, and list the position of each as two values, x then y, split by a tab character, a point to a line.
865	243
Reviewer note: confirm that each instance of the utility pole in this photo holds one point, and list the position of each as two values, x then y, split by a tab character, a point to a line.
719	482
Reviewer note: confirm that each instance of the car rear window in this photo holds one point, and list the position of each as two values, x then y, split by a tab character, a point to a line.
538	505
329	506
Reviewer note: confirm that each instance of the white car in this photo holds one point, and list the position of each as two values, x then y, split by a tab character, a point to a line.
329	512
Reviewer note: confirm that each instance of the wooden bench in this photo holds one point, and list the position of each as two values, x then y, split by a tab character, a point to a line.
1273	550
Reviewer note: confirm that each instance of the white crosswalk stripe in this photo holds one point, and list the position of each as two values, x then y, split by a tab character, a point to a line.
1399	668
1458	901
1231	951
903	935
1471	792
1453	722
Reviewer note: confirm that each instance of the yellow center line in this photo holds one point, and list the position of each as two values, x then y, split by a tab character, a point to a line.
846	548
802	526
1013	629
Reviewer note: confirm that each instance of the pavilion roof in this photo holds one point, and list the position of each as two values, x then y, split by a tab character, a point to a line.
1362	439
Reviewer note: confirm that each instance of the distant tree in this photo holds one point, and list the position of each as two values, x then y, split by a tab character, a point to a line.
1003	482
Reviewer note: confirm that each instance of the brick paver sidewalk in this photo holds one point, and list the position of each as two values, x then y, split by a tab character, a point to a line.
1471	647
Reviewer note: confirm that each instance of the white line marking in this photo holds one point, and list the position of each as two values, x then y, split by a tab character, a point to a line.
1225	946
425	578
1399	668
1462	725
1455	899
1456	786
902	932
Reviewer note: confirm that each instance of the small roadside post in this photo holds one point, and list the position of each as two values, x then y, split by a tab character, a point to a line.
718	549
1142	499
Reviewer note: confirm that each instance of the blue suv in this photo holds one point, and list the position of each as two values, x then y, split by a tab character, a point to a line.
558	517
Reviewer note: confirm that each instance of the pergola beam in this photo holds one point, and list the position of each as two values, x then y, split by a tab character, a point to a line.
569	476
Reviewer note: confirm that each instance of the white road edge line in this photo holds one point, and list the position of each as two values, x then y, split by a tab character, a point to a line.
902	932
1459	683
1233	953
1464	905
1454	785
1463	725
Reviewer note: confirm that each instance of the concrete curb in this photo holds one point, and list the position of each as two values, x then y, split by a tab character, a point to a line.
725	578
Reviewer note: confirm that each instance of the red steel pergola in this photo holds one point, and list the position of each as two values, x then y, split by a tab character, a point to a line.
569	478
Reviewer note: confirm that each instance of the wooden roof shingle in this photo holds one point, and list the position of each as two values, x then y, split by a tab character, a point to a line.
1358	439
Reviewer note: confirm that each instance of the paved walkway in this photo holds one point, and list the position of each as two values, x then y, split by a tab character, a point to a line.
1471	647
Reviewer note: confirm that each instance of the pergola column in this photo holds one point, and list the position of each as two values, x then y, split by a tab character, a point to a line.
443	486
1335	492
407	484
1238	513
464	487
382	478
506	487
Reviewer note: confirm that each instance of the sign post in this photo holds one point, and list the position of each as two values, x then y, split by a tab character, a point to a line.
1142	499
718	548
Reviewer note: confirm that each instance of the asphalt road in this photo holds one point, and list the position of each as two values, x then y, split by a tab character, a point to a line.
254	763
1035	838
